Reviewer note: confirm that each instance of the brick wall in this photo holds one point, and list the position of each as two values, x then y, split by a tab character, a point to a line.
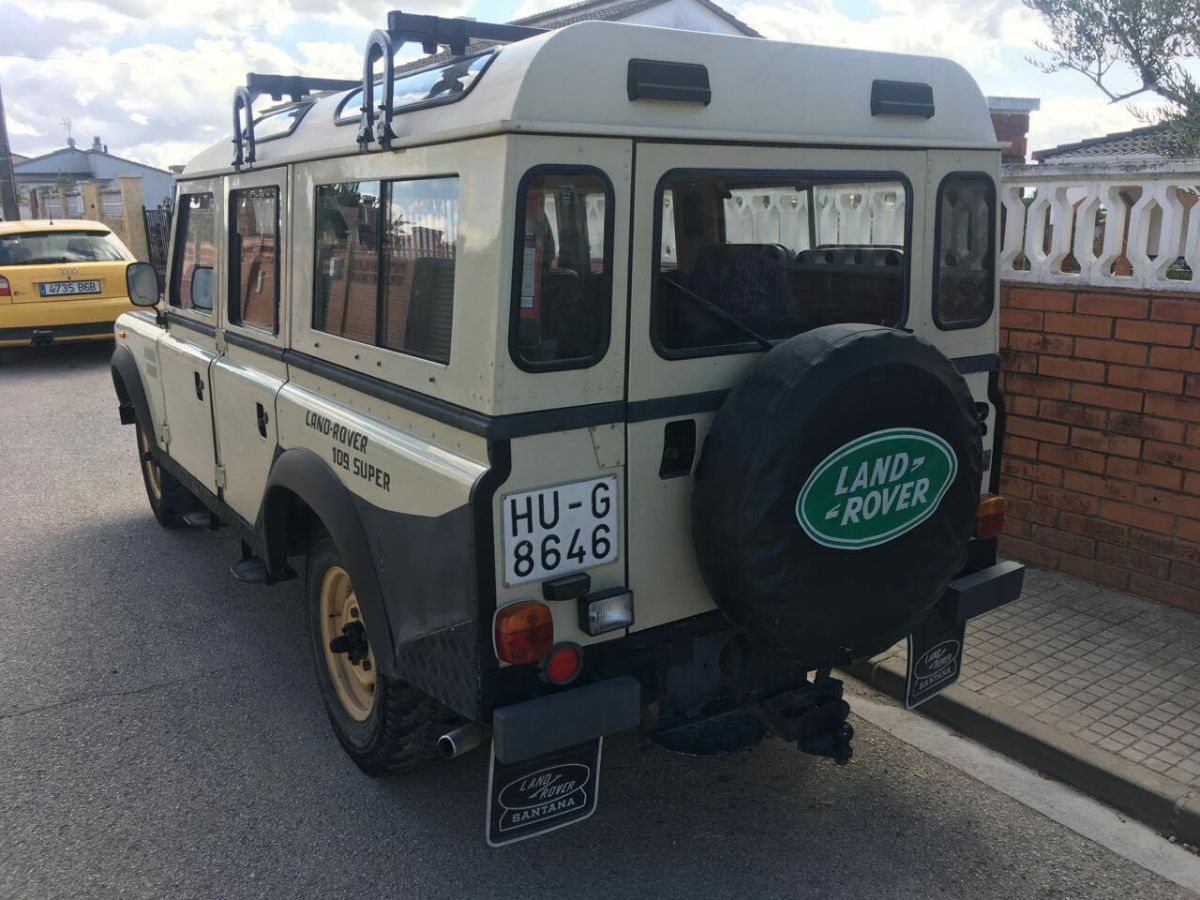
1102	454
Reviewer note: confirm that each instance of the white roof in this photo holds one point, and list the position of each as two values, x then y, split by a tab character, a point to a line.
573	81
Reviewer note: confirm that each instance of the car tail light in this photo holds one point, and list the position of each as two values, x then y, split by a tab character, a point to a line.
5	290
524	632
989	519
563	665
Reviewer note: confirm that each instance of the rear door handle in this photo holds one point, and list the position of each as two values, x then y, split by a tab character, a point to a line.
261	416
199	386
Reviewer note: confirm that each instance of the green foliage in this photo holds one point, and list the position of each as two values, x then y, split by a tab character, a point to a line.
1158	39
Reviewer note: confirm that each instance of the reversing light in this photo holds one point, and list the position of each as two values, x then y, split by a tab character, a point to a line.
606	612
563	665
989	519
524	632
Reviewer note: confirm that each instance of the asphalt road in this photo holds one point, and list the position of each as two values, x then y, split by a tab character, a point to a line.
161	735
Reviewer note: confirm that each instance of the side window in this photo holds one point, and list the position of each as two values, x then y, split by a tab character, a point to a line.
964	251
254	258
195	253
385	257
562	274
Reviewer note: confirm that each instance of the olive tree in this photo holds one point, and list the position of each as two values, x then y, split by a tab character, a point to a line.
1159	40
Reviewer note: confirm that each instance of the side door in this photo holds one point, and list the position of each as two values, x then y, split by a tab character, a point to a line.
253	322
731	244
189	345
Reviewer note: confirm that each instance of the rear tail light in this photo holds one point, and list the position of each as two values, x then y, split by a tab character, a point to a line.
563	665
606	613
5	290
524	632
989	519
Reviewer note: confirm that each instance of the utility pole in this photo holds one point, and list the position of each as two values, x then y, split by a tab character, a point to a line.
8	181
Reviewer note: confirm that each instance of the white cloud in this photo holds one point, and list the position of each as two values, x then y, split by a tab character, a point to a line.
972	34
1066	119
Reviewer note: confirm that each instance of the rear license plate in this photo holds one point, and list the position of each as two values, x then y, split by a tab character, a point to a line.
68	288
935	654
543	794
558	530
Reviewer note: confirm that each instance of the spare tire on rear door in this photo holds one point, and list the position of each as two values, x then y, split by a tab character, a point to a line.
837	492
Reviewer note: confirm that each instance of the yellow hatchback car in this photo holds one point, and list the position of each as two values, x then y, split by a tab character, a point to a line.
61	280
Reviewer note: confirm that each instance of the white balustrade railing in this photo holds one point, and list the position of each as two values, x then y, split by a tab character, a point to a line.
871	213
1114	225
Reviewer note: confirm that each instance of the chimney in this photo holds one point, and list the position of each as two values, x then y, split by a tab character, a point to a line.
1010	118
96	147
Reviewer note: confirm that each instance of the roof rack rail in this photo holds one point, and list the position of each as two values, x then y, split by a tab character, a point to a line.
296	87
432	33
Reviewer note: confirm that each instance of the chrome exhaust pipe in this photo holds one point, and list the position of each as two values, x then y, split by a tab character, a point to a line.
461	740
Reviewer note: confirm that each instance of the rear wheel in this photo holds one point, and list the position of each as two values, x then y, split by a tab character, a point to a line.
169	499
384	723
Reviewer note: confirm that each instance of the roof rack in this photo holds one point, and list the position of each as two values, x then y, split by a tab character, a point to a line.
432	33
296	87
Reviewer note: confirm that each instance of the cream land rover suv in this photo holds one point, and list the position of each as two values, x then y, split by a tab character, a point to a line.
580	407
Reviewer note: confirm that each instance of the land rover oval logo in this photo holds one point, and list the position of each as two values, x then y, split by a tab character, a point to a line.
876	488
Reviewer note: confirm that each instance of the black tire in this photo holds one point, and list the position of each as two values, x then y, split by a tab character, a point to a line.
817	599
402	728
169	500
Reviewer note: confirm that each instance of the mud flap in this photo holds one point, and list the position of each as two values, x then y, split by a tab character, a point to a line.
542	794
935	654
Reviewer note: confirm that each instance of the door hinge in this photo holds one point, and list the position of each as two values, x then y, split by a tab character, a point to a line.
220	344
166	433
220	477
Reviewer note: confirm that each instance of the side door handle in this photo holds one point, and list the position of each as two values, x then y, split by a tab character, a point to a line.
199	386
261	416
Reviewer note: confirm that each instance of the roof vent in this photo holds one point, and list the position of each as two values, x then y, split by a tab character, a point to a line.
657	79
901	98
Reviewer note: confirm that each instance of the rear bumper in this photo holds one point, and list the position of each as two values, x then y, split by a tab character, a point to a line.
60	320
543	725
979	592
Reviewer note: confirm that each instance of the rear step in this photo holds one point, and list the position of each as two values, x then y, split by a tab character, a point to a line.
251	569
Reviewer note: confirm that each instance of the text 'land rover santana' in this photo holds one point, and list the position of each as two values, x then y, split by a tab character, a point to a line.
637	398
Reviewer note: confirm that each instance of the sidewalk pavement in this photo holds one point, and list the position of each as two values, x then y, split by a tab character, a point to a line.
1089	685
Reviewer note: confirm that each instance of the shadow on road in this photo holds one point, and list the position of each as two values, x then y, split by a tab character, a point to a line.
54	358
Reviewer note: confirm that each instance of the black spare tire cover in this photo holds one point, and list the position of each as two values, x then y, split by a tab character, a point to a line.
837	492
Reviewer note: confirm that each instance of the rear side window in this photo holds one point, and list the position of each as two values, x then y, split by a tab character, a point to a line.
31	248
562	279
195	253
254	257
746	260
385	256
964	251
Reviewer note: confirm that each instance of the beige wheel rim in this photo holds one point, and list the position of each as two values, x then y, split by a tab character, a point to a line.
354	682
150	465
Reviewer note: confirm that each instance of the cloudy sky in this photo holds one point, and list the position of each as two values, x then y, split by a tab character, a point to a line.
154	78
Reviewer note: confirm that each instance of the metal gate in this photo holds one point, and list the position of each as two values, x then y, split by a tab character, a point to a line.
158	238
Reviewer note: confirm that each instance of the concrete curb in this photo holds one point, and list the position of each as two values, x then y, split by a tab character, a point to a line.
1165	804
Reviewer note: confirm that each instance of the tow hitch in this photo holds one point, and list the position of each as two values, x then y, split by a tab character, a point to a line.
813	716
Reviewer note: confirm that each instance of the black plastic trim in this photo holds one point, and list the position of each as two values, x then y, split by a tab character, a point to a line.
248	343
979	592
901	98
985	362
683	405
127	378
205	328
582	362
815	177
306	475
493	427
84	329
549	723
660	79
937	252
482	503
